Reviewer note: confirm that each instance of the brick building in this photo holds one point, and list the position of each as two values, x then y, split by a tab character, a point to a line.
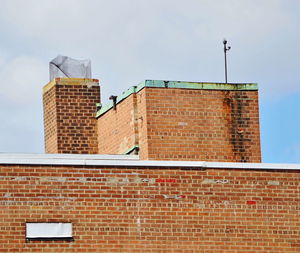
165	167
160	120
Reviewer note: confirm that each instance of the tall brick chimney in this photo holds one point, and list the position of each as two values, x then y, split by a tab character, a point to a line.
69	108
69	115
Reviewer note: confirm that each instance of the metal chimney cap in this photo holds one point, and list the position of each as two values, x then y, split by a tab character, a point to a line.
64	66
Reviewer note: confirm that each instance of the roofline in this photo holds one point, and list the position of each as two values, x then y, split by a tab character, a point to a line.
131	161
178	85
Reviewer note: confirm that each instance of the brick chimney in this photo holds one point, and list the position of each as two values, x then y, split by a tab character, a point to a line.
69	101
69	115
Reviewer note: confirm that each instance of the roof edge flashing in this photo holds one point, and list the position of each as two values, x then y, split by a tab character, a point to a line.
133	161
178	85
125	94
200	85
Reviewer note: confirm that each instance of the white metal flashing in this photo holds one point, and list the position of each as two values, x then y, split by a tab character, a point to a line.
130	161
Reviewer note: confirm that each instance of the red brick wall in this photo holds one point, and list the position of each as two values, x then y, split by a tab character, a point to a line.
118	209
50	121
185	124
69	115
209	125
117	129
143	123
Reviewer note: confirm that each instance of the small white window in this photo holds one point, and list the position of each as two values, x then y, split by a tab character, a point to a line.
48	231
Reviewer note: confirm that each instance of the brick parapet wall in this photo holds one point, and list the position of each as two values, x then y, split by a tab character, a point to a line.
69	115
123	128
184	124
142	122
209	125
119	209
117	130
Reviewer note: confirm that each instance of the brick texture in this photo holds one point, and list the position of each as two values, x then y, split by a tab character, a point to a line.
183	124
209	125
119	209
50	121
117	129
69	115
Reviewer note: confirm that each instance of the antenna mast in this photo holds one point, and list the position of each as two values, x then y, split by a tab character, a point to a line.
225	50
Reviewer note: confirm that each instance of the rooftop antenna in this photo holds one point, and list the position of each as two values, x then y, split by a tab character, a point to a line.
226	48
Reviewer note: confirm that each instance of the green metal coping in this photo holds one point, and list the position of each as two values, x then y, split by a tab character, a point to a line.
177	85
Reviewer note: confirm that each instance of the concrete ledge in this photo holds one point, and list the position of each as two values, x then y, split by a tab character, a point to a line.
131	161
70	81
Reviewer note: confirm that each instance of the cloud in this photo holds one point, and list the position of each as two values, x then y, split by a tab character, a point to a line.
21	79
32	17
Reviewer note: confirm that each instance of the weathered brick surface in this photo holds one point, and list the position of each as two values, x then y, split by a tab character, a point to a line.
117	129
50	121
121	129
183	124
69	116
209	125
115	209
143	123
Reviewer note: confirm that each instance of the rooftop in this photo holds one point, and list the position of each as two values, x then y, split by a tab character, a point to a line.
177	85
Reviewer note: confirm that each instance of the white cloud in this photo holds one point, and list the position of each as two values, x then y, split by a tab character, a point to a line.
21	79
33	17
119	25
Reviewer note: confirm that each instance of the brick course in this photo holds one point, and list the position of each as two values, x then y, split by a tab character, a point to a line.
131	209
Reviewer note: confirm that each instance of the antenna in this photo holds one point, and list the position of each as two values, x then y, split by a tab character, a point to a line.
225	50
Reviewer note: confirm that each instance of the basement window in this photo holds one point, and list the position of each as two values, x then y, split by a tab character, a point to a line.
48	231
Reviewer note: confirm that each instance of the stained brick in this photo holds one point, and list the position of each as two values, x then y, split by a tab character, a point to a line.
182	124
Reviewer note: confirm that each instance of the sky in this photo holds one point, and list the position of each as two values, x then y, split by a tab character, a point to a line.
129	41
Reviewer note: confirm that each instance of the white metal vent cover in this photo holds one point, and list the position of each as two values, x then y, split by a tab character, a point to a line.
45	230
